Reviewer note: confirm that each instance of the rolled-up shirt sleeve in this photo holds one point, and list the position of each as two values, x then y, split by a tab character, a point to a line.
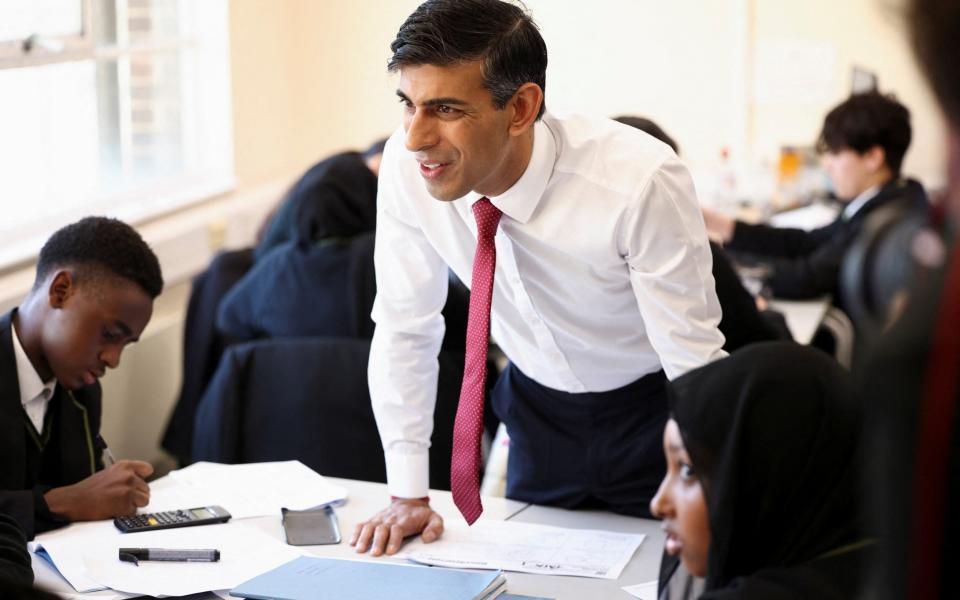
666	247
403	369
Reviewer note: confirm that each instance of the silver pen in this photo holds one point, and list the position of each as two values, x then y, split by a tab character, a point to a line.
108	458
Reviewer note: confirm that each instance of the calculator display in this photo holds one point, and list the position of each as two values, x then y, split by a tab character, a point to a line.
201	513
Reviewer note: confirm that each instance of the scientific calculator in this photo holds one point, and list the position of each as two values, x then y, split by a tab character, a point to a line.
188	517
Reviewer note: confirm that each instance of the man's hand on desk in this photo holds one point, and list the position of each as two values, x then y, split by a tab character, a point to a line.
115	491
388	528
719	226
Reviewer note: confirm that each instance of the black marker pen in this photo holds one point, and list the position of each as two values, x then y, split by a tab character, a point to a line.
135	555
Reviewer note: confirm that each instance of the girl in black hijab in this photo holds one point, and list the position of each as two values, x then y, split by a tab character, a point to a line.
760	495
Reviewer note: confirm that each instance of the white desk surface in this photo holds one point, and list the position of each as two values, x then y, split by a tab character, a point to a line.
366	498
803	316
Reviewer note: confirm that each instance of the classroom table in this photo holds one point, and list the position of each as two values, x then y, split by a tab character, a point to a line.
366	498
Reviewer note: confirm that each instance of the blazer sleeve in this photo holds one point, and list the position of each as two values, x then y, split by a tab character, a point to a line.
775	241
15	564
808	276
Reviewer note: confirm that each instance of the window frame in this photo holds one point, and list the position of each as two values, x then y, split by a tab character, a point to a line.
14	54
148	201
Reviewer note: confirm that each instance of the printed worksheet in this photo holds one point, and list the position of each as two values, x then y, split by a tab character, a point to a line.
528	548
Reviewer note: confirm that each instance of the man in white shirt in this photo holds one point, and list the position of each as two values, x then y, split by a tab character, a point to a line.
602	278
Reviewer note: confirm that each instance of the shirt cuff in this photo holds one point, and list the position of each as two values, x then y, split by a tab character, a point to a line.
408	473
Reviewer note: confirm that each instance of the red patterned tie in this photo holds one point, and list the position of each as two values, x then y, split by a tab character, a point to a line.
465	460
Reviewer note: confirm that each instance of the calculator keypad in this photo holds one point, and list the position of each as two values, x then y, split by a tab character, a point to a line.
159	520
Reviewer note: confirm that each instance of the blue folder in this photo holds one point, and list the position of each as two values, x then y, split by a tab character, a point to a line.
308	578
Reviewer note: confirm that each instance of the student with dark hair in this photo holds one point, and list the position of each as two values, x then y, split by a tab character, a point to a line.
910	377
313	226
335	192
93	294
863	141
761	495
587	260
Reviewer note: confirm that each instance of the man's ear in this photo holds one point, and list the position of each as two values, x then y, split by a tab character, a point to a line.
876	157
62	287
525	105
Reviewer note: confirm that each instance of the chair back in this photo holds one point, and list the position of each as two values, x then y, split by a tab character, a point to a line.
307	399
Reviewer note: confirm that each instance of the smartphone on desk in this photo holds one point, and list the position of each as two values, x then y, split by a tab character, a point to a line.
311	527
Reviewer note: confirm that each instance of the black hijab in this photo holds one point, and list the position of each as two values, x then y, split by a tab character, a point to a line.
773	431
336	199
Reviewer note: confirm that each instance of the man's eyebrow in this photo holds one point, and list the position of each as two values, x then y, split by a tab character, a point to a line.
448	101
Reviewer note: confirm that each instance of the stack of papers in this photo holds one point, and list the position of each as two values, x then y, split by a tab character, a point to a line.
86	556
248	490
528	548
86	553
331	579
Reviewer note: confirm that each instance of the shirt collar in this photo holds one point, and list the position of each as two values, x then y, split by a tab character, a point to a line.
522	198
31	385
854	206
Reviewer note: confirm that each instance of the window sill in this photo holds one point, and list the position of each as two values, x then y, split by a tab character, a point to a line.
184	240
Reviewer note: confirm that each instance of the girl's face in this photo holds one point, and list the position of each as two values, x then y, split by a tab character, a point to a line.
681	505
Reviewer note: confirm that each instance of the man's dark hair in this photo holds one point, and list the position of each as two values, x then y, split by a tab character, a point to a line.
866	120
499	34
935	29
97	246
648	126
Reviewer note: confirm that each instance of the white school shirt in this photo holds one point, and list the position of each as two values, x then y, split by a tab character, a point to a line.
603	275
35	395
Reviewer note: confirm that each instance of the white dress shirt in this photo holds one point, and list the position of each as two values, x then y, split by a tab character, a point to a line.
35	395
603	275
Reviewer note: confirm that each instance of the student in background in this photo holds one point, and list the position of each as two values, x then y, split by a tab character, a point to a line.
588	263
313	271
910	378
336	190
761	495
93	294
743	322
340	189
863	141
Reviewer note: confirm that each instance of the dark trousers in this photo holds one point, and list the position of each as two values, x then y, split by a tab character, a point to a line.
589	450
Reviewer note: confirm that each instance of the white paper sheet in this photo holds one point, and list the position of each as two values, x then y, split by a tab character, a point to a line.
528	548
248	490
644	591
89	553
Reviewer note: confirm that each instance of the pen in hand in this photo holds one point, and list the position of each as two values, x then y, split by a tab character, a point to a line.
135	555
108	458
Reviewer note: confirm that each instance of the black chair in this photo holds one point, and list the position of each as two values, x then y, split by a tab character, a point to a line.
202	345
307	399
879	267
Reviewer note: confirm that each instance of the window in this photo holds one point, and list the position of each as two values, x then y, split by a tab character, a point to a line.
116	107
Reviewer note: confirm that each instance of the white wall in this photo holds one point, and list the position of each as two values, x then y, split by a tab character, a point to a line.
706	70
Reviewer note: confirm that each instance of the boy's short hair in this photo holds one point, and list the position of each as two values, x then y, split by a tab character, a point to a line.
97	246
866	120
